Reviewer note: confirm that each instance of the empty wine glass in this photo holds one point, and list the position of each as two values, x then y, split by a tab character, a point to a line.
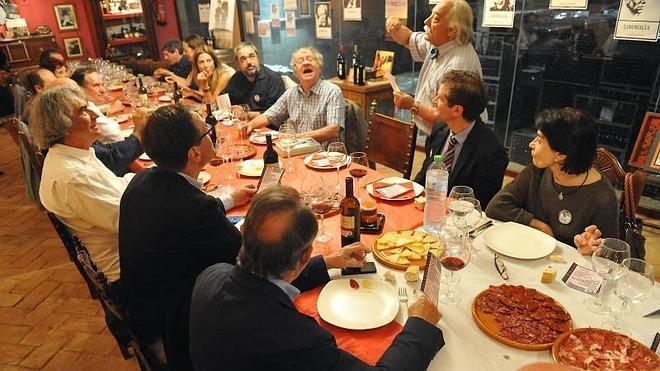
461	210
225	150
288	140
455	257
336	157
318	198
632	283
473	218
241	113
358	168
458	192
606	260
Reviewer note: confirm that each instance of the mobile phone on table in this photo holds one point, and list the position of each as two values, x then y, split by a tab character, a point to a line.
368	267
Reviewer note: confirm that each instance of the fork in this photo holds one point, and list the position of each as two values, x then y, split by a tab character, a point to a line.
403	298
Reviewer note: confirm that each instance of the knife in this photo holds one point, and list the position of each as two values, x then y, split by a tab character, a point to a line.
656	313
476	231
371	182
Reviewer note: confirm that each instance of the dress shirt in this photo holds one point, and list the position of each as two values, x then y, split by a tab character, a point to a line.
324	105
84	194
460	139
227	200
450	56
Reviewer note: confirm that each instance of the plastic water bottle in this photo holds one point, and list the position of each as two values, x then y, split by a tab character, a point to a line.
437	181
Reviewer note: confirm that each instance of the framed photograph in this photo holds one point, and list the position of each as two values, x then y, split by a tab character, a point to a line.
643	144
653	160
303	7
66	17
383	62
255	7
73	47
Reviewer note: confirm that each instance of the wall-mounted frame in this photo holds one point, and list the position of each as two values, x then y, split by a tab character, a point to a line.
644	142
303	8
66	17
73	47
653	161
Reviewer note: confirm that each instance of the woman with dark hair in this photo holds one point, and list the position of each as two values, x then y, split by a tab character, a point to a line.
560	193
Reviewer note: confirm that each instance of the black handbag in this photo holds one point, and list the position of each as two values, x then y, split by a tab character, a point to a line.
630	225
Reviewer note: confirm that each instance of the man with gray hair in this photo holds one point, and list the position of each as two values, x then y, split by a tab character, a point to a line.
243	318
75	185
315	106
257	85
445	45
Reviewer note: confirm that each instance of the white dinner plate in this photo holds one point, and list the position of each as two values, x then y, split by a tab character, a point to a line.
250	167
315	165
373	304
165	98
203	177
260	137
417	188
121	118
519	241
145	157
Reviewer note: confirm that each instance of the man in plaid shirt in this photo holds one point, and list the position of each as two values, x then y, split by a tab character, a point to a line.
315	106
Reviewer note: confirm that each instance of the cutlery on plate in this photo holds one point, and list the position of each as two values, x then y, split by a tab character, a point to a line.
654	313
656	342
371	182
403	298
475	232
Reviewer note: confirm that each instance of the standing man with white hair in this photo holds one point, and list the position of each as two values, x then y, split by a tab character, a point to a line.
315	105
444	45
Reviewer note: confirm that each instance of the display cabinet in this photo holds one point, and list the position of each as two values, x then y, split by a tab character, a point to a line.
125	29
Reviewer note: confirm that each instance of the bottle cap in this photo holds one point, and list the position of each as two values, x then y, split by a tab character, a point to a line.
437	158
368	205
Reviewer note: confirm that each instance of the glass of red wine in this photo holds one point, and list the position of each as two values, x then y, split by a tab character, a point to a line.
455	257
358	168
319	199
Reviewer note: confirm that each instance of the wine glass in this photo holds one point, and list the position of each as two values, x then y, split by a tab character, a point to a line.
461	210
225	150
336	156
318	198
606	260
358	168
241	113
458	192
632	284
288	141
455	257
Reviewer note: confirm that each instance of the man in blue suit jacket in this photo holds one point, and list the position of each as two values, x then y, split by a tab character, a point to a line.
170	230
242	317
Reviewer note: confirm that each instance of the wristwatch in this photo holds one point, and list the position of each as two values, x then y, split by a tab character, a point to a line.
414	109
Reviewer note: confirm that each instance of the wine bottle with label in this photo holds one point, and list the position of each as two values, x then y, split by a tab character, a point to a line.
211	121
143	98
350	216
354	63
341	64
270	156
177	93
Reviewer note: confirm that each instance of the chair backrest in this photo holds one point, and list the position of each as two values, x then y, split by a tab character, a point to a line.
609	166
391	142
19	96
288	82
355	132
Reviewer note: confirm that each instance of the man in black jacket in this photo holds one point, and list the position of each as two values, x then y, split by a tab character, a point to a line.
242	317
473	154
170	230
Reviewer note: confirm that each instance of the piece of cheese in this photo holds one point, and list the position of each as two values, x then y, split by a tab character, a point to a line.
389	276
549	274
411	274
556	258
419	202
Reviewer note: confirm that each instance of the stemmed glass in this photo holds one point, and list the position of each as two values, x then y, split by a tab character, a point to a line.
336	156
455	257
461	211
288	140
241	113
632	284
606	260
358	169
318	198
458	192
225	150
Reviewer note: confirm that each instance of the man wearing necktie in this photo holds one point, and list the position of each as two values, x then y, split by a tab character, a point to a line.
444	45
472	153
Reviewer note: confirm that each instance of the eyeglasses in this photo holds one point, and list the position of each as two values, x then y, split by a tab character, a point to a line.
209	128
308	58
501	268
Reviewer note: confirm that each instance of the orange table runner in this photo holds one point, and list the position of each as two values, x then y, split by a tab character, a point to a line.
367	345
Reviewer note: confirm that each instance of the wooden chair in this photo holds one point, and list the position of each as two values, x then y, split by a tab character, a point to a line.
111	303
610	167
391	142
355	132
36	157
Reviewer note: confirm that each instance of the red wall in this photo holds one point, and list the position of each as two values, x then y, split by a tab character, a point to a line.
40	12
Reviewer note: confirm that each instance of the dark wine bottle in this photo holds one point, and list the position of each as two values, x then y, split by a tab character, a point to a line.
270	156
350	216
177	93
354	64
143	98
341	64
211	121
360	69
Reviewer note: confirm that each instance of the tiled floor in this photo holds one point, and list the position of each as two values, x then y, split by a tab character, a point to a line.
47	319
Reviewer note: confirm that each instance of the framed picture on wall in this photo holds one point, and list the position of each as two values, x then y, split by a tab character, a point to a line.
66	17
73	47
650	126
653	160
303	7
255	7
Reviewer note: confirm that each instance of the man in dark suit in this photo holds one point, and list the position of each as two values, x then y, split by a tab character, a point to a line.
170	230
242	317
473	154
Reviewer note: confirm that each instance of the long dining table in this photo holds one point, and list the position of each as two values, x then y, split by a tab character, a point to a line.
467	346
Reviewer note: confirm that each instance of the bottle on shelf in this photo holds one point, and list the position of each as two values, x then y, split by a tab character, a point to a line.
354	63
143	98
437	182
350	216
177	93
341	64
270	155
360	72
211	121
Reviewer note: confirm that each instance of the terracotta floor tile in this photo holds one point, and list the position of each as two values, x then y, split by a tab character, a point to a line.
41	355
82	323
38	335
43	311
62	360
29	283
101	363
73	290
36	296
98	344
13	333
11	316
7	284
9	300
87	307
13	354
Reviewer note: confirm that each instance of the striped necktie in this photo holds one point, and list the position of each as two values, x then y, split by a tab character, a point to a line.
449	155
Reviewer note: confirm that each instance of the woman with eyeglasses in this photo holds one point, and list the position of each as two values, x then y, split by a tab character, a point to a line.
560	193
